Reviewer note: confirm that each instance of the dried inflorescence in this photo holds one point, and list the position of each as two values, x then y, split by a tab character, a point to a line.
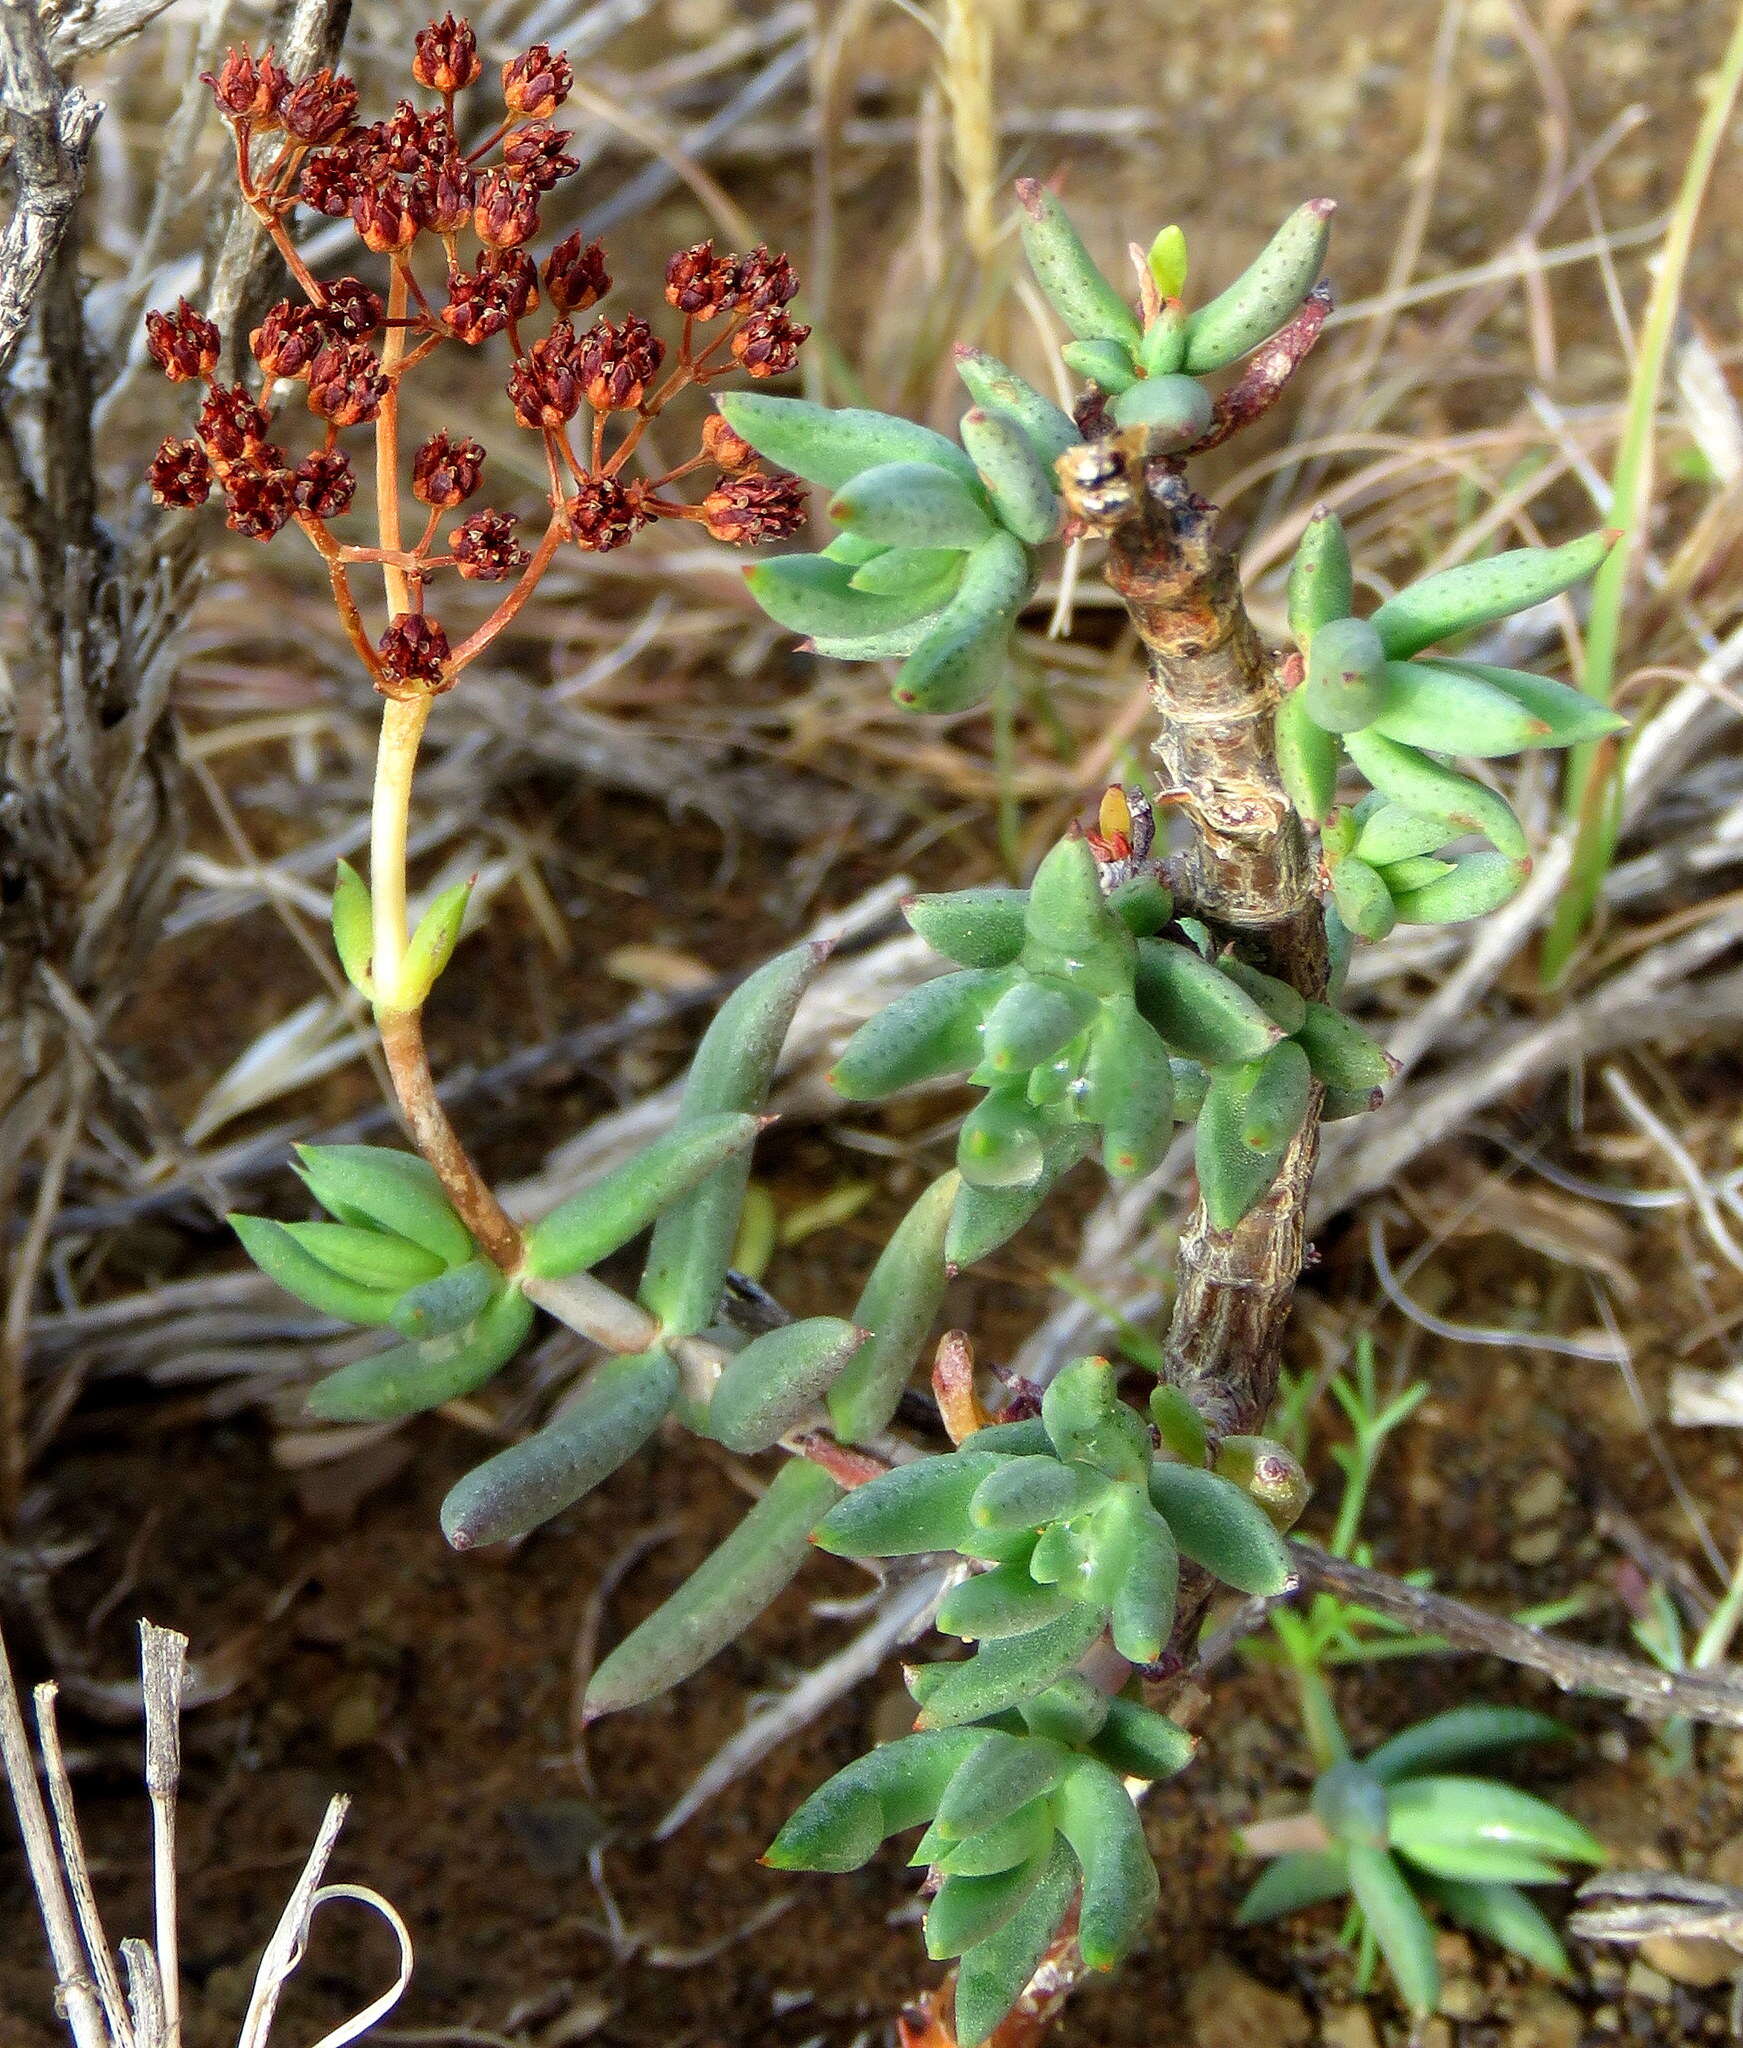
407	186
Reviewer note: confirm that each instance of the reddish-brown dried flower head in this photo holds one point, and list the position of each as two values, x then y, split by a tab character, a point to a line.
485	550
483	301
445	56
412	138
604	514
260	502
762	282
441	199
575	275
180	475
538	156
729	451
545	384
768	344
183	344
321	107
698	282
383	217
353	311
535	84
346	384
232	426
247	89
324	483
507	211
414	651
752	508
329	181
445	472
288	340
619	362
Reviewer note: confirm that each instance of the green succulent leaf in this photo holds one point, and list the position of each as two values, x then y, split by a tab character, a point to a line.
1503	1914
1002	1673
966	653
1088	1422
417	1376
1199	1011
285	1262
967	1910
1347	677
1437	1821
986	1218
1409	777
447	1303
994	1973
913	504
606	1214
1003	1775
1307	758
974	927
354	928
997	388
1306	1878
1035	1018
898	1306
897	1786
1120	1887
1350	1800
1002	1846
1140	1743
430	948
393	1191
1266	293
1426	705
1002	1602
722	1597
777	1379
1129	1089
1460	1732
1175	409
1479	883
1321	578
927	573
909	1509
1399	1926
926	1033
1020	483
1573	718
1067	274
1477	593
373	1258
832	447
1222	1528
606	1423
812	595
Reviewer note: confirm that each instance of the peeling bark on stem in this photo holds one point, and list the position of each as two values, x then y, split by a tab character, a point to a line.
1248	873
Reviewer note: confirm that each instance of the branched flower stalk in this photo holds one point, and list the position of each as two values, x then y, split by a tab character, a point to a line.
1132	987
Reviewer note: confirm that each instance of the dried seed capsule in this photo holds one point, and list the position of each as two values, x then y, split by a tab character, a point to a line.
447	1303
720	1599
1004	1602
1346	676
966	653
1000	1674
1140	1743
1410	778
606	1214
1307	759
1120	1886
1478	883
1088	1422
994	1974
1477	593
730	1074
1572	717
1106	364
1003	1142
1066	273
998	388
969	1910
607	1422
414	1377
777	1379
1175	409
1455	714
912	504
896	1786
1198	1009
1265	294
909	1509
1321	578
978	927
1021	485
391	1191
832	446
930	1031
1220	1527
